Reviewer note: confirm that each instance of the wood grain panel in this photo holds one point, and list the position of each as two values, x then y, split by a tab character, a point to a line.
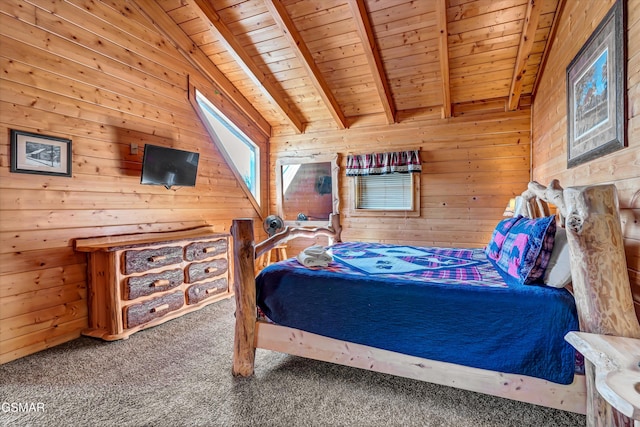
28	302
482	37
101	75
471	168
42	320
14	284
23	345
549	124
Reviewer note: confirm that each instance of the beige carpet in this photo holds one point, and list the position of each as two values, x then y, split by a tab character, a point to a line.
179	374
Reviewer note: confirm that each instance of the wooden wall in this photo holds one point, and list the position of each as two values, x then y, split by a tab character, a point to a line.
549	123
99	74
472	165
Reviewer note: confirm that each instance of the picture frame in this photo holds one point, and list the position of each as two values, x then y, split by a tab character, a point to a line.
40	154
596	80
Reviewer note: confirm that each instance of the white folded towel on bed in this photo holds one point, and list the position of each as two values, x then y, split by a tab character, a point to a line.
314	256
319	252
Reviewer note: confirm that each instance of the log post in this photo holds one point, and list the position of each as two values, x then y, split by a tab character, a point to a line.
245	295
334	219
600	280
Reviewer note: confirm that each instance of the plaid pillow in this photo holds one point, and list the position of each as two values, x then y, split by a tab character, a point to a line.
526	249
499	235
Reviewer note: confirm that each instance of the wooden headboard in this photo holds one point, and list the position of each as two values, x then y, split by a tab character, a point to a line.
591	217
599	272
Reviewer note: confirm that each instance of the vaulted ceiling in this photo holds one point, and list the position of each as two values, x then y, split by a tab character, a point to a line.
293	63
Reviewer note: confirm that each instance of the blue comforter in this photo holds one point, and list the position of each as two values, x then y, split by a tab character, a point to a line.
443	304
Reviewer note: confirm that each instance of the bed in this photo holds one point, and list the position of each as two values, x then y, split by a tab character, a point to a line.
481	305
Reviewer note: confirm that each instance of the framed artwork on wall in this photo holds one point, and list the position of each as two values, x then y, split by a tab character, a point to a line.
40	154
596	77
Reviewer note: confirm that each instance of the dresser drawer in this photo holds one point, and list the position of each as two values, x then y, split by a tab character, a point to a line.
204	270
147	259
151	283
145	312
201	250
197	293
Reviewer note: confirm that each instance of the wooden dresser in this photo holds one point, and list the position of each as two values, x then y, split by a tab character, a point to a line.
141	280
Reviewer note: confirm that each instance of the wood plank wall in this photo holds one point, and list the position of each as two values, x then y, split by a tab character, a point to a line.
549	123
101	75
472	165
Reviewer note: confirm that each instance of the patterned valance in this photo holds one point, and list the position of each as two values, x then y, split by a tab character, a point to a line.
384	163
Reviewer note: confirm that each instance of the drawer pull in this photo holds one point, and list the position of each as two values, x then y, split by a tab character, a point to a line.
211	291
160	308
161	282
209	249
210	270
157	258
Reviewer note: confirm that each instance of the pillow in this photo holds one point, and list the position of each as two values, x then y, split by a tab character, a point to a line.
527	248
558	272
497	238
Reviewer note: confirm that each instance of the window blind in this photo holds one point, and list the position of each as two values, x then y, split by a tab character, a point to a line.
385	192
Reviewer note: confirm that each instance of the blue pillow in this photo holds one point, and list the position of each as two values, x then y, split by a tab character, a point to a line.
499	235
527	248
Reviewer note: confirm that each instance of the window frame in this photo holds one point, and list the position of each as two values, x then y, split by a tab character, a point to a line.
415	202
261	202
335	186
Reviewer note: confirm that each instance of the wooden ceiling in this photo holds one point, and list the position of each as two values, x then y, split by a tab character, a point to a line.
297	63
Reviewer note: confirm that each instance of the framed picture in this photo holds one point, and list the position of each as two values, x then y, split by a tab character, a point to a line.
40	154
596	114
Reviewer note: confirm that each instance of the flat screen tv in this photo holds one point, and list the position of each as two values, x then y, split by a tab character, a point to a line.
169	167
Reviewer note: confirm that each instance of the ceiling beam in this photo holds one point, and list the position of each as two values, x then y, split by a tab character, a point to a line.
365	31
154	13
527	37
204	10
547	47
443	48
301	50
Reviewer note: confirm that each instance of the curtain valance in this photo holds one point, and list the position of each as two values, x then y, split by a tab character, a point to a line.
384	163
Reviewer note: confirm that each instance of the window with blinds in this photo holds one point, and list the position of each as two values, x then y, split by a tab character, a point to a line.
391	192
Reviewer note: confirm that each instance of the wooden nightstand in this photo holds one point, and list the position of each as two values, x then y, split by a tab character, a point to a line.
617	371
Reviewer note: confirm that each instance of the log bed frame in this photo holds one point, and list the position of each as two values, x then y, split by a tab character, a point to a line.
603	301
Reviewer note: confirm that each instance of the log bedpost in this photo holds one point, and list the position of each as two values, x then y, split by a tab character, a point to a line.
600	280
334	219
245	295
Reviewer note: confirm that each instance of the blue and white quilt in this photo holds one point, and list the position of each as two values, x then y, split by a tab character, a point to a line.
444	304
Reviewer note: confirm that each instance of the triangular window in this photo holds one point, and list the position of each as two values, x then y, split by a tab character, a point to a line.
237	148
